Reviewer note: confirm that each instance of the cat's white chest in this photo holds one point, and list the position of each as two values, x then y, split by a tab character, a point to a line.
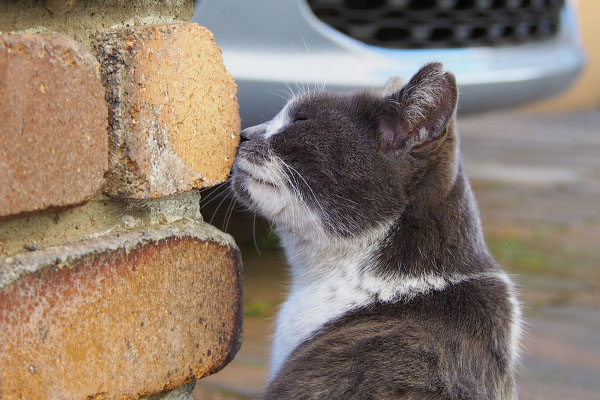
327	282
309	307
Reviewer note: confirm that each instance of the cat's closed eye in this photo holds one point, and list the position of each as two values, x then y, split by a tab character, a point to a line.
299	118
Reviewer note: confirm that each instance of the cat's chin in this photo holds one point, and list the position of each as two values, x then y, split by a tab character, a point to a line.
262	196
261	183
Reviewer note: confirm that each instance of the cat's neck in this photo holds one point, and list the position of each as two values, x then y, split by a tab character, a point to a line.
442	238
438	239
326	283
314	257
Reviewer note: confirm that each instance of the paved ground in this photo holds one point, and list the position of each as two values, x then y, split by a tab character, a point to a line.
537	180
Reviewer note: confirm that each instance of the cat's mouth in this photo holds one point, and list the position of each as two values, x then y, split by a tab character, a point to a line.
255	179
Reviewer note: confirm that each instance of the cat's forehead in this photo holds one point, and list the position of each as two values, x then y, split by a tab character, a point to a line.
305	102
323	101
323	107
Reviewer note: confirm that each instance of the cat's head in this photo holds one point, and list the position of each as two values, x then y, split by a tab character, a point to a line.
340	163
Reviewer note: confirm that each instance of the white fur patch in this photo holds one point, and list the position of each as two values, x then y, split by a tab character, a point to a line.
281	120
309	307
516	323
266	185
392	289
324	286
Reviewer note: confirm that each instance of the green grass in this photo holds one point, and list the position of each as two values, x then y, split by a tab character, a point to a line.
545	251
520	256
258	308
267	240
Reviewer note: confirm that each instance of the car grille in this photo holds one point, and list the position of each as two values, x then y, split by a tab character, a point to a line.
441	23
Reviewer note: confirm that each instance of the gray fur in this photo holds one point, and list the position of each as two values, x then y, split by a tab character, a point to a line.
361	161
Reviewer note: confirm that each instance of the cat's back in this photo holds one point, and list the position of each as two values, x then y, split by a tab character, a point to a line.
448	344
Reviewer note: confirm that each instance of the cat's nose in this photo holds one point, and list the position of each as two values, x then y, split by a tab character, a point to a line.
245	135
248	134
252	133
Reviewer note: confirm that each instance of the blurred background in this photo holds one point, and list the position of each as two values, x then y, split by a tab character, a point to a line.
535	170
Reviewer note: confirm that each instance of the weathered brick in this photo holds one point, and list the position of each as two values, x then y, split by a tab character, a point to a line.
120	316
173	114
53	129
82	19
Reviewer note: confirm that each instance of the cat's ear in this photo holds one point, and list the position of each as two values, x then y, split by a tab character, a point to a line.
393	85
418	114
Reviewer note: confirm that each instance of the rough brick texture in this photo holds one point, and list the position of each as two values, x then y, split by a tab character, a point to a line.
82	19
53	124
120	316
173	112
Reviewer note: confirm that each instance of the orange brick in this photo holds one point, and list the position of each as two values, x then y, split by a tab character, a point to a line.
174	120
121	316
53	129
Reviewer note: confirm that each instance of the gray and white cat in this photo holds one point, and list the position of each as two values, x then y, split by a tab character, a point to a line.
394	294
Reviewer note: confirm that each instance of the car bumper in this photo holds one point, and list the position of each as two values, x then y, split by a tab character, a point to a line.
272	48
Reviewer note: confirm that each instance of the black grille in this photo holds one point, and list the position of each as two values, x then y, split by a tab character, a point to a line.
441	23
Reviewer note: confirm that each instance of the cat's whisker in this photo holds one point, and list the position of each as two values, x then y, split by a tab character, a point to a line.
290	90
301	89
294	187
218	206
289	179
218	192
286	98
324	214
298	90
305	84
319	87
306	46
297	195
228	213
254	234
211	195
271	228
234	209
222	195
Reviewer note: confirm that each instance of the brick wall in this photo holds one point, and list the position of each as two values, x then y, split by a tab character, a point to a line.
112	115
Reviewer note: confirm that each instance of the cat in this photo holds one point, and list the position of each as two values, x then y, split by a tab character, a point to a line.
393	294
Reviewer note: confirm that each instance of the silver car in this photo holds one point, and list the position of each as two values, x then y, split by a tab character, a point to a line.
503	52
